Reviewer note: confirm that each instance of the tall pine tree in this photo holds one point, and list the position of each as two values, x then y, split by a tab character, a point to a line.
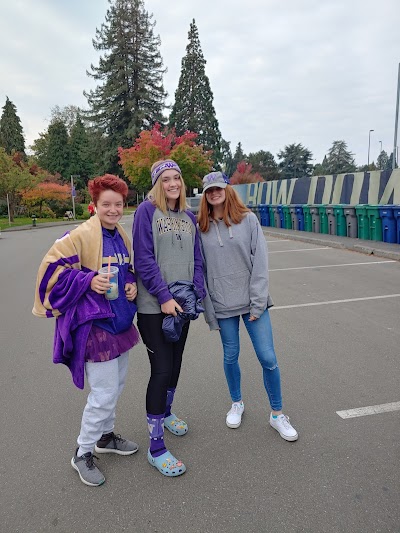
193	109
264	163
295	161
340	160
11	136
238	157
57	157
79	158
131	95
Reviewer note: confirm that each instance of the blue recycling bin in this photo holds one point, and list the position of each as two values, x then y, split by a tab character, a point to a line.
278	216
388	223
281	215
396	213
297	215
264	214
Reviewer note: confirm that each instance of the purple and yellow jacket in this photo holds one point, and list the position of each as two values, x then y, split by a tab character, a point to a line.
63	291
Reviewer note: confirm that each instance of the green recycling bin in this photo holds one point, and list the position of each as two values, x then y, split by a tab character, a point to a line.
340	217
362	221
287	217
271	216
323	219
374	222
307	218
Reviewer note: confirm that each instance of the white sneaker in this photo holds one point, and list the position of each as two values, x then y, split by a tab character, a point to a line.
284	427
234	416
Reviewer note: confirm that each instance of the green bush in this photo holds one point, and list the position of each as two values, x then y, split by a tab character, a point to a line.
3	209
59	207
46	212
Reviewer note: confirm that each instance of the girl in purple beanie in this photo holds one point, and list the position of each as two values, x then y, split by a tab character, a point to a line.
166	249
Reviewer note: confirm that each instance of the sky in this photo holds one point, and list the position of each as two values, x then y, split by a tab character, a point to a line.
299	71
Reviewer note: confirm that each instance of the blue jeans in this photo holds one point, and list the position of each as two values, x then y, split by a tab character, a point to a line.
260	332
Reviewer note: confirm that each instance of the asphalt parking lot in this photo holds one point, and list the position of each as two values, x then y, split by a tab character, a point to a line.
336	323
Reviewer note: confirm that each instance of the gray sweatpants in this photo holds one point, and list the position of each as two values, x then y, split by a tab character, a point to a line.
106	381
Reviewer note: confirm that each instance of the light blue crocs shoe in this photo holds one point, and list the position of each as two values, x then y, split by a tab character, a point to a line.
167	464
175	425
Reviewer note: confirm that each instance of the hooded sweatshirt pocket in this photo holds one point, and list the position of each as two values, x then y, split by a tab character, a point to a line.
232	291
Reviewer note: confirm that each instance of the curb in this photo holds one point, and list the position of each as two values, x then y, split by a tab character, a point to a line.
364	247
41	225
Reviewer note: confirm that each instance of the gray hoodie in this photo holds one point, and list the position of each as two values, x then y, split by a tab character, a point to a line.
235	269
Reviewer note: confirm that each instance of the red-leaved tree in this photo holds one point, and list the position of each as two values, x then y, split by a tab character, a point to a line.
155	144
43	192
244	174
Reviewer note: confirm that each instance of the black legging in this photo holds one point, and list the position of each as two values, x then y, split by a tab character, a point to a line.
165	360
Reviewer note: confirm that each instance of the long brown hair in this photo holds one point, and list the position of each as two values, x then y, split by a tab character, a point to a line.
234	210
157	195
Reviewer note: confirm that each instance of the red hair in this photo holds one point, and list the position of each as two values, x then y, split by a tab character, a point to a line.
104	183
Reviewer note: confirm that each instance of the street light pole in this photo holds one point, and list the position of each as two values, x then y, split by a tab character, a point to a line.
73	192
369	144
381	146
396	120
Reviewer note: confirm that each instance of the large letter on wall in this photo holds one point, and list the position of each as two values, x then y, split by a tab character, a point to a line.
392	186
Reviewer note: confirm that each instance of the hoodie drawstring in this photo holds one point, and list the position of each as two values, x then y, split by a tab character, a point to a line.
173	231
218	233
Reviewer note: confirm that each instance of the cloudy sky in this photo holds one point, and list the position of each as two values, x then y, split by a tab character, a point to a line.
299	71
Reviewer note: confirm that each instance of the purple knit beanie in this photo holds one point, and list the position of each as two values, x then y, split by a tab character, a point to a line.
159	169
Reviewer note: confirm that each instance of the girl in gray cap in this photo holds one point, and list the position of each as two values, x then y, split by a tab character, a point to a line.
236	273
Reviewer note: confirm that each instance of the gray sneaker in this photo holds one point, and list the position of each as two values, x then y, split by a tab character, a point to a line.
87	469
112	443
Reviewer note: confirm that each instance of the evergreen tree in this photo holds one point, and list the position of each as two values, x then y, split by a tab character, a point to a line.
226	158
339	159
131	95
264	164
79	157
40	148
321	169
295	161
382	161
238	157
57	159
67	114
11	136
193	109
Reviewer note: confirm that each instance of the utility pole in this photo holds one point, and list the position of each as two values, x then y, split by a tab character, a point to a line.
396	122
8	209
369	144
73	194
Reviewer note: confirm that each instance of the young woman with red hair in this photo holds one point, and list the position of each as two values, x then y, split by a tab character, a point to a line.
94	332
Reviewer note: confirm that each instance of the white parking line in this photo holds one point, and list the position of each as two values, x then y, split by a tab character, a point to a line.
332	266
312	304
370	410
279	240
301	250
